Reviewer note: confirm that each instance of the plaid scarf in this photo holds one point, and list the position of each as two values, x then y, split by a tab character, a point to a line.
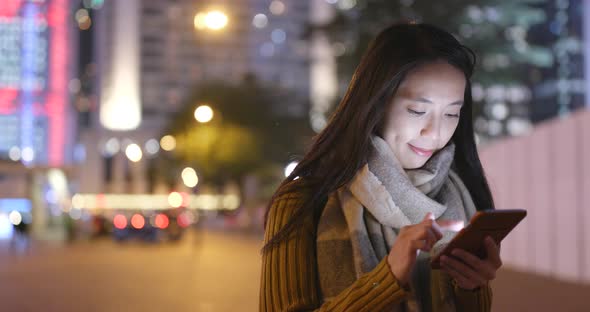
360	223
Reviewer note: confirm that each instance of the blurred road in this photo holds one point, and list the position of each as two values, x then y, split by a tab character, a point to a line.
207	271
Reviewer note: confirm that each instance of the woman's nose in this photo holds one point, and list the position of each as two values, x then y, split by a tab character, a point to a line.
431	130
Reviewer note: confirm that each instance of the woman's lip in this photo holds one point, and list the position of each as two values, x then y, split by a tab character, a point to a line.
421	152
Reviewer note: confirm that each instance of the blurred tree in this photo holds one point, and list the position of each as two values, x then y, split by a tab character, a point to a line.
496	30
248	133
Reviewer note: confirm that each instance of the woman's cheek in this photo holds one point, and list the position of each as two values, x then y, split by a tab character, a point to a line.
449	134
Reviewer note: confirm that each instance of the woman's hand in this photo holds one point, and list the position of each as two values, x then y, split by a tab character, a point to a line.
469	271
411	239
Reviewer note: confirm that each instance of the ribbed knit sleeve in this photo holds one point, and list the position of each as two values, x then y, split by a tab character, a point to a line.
473	300
289	280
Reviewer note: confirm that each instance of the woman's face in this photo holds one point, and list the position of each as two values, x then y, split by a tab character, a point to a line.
424	113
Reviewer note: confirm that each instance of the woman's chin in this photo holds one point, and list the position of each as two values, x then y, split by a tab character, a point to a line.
410	167
414	164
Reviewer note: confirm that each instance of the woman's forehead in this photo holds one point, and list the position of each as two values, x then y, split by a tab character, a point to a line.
433	80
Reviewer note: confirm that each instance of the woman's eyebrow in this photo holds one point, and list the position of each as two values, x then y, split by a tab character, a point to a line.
425	100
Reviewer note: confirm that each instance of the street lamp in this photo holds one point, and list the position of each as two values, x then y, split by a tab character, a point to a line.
203	113
213	20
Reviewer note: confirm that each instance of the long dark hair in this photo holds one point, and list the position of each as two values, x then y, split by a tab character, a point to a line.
341	149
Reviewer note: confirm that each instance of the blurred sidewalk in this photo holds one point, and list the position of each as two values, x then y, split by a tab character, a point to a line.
517	291
212	269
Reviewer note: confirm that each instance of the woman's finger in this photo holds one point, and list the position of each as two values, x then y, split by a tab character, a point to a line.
465	270
426	233
481	266
436	229
493	252
429	222
462	280
419	244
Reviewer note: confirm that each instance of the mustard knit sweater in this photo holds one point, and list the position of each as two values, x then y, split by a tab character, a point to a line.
289	280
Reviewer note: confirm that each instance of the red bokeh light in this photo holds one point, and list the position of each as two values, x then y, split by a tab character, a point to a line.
137	221
161	221
120	221
184	219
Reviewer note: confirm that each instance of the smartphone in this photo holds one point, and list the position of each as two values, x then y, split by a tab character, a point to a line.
494	223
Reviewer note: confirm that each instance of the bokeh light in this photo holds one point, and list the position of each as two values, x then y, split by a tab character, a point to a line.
189	177
81	15
27	154
278	36
15	217
93	4
161	221
231	202
119	221
14	153
168	143
216	20
137	221
78	201
203	114
213	20
83	19
175	199
133	152
260	20
85	25
277	7
150	202
112	147
500	111
152	146
200	21
346	4
185	219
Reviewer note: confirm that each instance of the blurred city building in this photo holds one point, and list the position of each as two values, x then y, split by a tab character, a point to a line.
323	71
530	55
37	120
150	55
562	87
87	87
262	38
38	124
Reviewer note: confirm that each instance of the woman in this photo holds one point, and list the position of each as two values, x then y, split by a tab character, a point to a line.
390	179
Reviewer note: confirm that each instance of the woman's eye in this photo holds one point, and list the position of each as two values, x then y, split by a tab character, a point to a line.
453	115
413	112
